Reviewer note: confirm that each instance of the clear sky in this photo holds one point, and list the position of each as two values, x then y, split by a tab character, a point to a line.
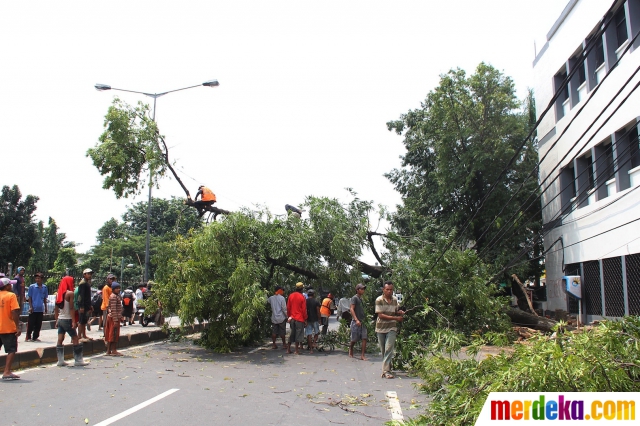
306	89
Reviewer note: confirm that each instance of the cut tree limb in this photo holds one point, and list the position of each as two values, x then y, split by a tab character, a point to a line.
524	291
520	317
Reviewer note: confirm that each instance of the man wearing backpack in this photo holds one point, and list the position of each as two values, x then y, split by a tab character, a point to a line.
127	306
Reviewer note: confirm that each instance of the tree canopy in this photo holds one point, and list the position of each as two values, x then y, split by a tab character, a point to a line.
128	149
18	229
457	146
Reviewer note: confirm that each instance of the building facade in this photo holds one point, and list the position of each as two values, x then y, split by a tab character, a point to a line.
587	73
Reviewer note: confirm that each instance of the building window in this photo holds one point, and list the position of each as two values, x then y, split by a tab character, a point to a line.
592	179
561	86
620	22
567	189
599	52
634	148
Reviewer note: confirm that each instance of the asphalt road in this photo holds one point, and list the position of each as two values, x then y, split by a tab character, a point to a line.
179	383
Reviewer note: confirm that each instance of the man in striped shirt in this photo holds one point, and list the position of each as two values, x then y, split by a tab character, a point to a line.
386	326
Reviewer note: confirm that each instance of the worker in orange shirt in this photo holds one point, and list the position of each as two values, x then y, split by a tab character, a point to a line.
207	198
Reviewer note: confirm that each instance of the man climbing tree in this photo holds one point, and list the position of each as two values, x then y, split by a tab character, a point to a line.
207	198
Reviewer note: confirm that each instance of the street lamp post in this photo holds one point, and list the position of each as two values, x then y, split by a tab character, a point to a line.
103	87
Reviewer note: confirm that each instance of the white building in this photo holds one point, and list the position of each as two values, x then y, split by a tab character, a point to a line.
591	168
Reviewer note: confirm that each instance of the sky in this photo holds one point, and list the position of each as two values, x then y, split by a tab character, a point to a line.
306	89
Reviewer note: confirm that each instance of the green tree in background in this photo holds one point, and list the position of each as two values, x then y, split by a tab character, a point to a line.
50	243
18	230
126	239
457	145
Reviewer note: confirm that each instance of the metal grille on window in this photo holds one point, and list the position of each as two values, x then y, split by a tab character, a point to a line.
613	288
632	262
572	302
592	289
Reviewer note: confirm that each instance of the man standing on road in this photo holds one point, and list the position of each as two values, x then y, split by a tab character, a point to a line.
37	297
278	317
84	303
65	316
114	318
18	287
358	327
9	325
297	309
386	326
325	312
106	293
313	315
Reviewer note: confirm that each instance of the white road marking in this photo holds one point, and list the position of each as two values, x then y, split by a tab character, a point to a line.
136	408
260	348
394	406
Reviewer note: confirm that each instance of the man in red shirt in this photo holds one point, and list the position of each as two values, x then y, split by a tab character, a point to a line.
297	309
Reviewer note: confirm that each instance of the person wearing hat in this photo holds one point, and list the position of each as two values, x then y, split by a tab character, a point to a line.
325	312
37	297
114	318
358	327
18	287
278	317
387	326
9	325
297	309
207	199
83	303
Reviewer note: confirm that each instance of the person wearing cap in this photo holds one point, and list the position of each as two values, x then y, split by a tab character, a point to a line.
106	293
114	318
297	309
358	327
278	317
18	288
66	323
387	326
207	199
83	303
313	316
325	312
9	325
37	297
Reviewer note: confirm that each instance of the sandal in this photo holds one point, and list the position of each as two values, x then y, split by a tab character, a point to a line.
387	375
11	377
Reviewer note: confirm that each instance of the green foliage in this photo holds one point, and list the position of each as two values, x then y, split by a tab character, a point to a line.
457	145
18	230
126	239
224	273
603	359
47	249
128	149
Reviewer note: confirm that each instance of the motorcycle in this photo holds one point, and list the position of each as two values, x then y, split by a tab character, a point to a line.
155	318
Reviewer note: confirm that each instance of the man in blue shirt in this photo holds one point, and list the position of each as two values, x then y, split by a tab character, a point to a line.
37	297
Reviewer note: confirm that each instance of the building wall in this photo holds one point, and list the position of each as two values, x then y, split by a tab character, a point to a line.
605	209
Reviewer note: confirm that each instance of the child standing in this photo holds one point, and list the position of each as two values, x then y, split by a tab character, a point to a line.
114	318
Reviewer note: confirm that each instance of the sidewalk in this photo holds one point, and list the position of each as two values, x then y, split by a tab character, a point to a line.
33	354
49	336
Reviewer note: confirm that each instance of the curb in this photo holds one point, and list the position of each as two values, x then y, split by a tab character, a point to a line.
43	356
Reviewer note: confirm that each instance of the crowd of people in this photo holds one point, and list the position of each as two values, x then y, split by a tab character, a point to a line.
75	308
305	314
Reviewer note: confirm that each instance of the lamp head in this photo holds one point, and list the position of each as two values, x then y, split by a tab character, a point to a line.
211	83
100	87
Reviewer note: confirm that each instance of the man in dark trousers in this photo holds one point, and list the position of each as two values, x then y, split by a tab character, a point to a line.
84	303
297	310
37	297
207	198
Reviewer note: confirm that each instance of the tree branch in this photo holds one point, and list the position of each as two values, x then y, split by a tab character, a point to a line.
293	268
175	175
373	247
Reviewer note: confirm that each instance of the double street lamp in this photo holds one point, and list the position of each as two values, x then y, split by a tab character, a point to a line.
103	87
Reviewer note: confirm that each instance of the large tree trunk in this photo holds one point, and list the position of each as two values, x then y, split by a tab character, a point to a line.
520	317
